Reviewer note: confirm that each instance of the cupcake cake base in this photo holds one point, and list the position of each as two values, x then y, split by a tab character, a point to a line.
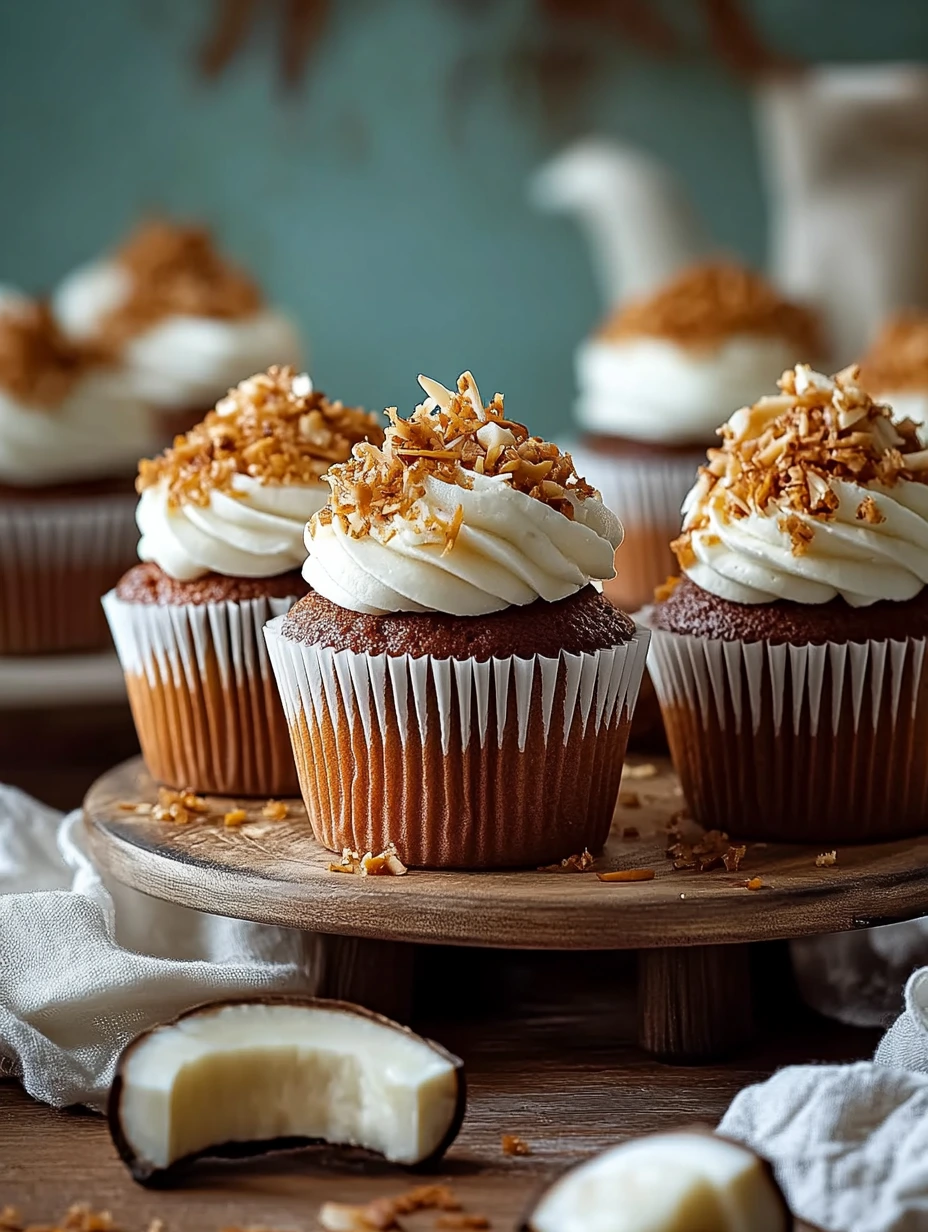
442	736
199	682
796	723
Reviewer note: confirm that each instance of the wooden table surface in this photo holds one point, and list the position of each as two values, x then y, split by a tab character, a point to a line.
545	1040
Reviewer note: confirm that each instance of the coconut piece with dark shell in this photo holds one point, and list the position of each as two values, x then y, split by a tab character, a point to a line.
239	1078
686	1181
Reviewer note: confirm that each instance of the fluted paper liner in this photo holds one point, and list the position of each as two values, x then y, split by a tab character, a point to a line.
460	763
57	557
820	744
646	492
203	696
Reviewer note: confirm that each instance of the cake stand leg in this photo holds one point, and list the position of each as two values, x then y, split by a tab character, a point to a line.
694	1002
375	974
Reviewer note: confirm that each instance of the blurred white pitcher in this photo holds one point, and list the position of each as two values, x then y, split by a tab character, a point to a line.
845	155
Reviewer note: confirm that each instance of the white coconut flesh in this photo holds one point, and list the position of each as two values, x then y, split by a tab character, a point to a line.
250	1073
684	1182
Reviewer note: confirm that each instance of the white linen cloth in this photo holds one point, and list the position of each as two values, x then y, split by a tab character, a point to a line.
849	1143
85	965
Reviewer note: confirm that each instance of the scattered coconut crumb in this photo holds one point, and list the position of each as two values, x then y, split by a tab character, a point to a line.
380	1215
630	799
827	859
386	863
645	771
628	874
581	863
754	883
177	806
275	810
512	1144
733	856
235	817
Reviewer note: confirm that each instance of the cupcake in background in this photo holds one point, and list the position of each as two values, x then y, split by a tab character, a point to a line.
790	658
895	369
71	431
185	321
651	382
222	515
455	683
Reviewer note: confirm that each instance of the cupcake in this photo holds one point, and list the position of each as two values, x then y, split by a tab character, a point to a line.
222	515
789	658
455	683
895	369
650	385
71	431
185	322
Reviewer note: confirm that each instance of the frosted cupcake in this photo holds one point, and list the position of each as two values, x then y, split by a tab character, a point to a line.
789	660
650	386
186	322
455	683
222	516
70	433
895	369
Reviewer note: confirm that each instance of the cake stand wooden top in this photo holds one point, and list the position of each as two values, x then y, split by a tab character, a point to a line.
275	872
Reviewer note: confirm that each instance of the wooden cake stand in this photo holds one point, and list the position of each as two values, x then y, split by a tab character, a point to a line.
693	931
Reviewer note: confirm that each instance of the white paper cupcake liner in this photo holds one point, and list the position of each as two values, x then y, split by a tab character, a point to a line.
799	743
57	557
203	696
646	493
459	763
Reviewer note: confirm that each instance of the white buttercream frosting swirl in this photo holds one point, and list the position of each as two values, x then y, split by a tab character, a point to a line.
449	530
180	358
62	418
660	367
234	495
656	391
256	533
816	493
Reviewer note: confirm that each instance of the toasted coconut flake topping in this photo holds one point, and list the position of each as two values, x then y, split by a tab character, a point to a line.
39	366
273	427
711	302
451	436
782	453
898	359
176	271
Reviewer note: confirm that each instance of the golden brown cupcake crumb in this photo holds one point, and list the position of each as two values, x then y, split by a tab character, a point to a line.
828	859
898	358
786	449
628	874
448	442
512	1144
709	303
176	270
272	427
39	366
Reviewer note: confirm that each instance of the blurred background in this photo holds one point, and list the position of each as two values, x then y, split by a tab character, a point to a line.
369	160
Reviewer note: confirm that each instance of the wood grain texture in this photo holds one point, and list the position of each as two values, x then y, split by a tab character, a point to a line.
275	872
546	1041
694	1002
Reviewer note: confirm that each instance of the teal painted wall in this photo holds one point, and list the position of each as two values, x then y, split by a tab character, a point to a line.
398	248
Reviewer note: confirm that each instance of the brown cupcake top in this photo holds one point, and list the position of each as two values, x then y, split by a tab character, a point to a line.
898	358
785	451
709	303
176	270
688	609
584	622
39	366
452	437
148	583
273	427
